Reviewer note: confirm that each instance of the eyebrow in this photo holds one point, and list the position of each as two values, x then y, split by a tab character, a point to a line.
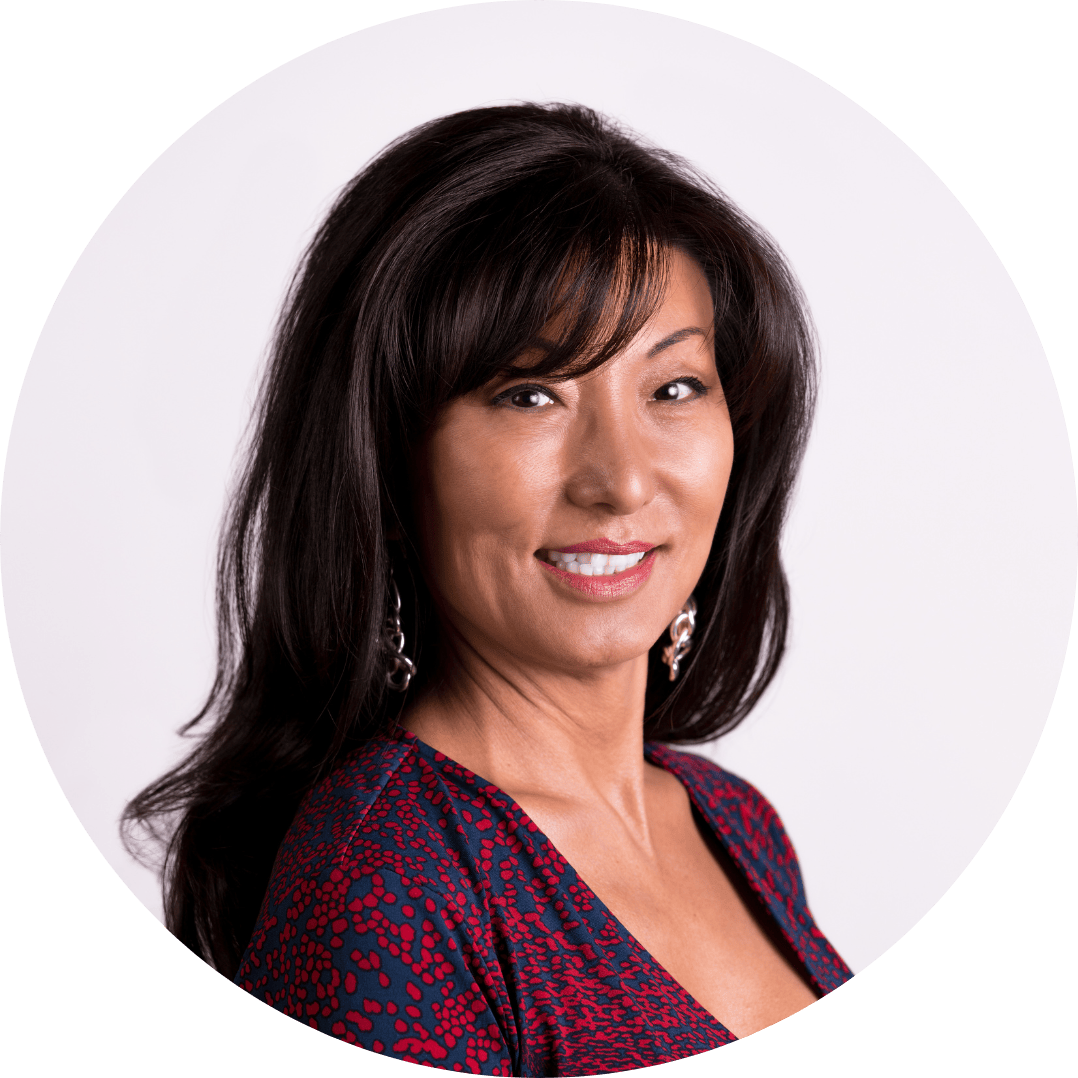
675	338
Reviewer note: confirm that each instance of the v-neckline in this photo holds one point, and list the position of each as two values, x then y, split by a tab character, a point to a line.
437	758
657	754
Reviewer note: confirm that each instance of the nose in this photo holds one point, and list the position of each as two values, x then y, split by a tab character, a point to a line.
610	463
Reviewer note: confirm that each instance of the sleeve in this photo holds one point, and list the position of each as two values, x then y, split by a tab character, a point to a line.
373	960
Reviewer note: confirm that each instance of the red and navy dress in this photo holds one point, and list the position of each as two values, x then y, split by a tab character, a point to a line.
416	910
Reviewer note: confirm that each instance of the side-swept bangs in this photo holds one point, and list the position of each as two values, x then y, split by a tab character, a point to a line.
466	279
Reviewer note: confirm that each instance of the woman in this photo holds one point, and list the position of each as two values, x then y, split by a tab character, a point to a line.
538	393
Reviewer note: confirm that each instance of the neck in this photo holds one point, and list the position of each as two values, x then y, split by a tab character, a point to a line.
539	734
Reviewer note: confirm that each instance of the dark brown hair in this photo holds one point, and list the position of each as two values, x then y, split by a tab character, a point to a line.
437	266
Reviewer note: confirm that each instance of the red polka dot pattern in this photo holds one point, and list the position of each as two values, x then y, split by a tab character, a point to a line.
416	910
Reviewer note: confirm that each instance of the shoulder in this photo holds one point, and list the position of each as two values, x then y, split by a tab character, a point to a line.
743	819
368	785
731	800
750	829
373	928
701	773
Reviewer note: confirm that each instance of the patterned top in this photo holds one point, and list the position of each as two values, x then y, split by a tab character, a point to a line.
417	911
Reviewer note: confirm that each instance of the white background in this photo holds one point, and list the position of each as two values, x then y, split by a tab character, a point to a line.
931	544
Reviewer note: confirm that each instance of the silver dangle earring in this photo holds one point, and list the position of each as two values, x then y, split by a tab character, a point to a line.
401	668
680	637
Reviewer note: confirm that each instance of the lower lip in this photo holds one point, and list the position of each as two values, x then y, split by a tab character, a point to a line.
606	587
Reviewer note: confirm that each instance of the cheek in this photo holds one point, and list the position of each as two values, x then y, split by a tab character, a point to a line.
480	504
702	473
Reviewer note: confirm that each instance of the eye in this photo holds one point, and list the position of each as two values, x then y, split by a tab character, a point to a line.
526	398
680	390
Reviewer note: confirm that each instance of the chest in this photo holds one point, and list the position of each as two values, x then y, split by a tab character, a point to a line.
683	903
692	912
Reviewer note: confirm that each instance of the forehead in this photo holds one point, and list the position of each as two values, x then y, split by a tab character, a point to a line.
686	294
677	292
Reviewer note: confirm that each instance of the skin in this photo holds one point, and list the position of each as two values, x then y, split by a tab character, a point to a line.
542	686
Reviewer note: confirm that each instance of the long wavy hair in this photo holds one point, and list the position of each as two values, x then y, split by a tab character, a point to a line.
439	263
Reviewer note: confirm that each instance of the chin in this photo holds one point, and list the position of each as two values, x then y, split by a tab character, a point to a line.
599	654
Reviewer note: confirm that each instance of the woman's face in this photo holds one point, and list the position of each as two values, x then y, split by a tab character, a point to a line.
564	523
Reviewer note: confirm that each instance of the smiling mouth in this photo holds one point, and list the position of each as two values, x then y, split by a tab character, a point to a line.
583	564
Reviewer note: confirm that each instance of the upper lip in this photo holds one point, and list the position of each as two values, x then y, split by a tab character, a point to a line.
605	546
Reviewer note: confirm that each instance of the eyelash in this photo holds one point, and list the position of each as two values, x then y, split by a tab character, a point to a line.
504	398
694	384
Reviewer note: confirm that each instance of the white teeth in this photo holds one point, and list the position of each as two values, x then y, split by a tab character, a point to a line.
594	564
